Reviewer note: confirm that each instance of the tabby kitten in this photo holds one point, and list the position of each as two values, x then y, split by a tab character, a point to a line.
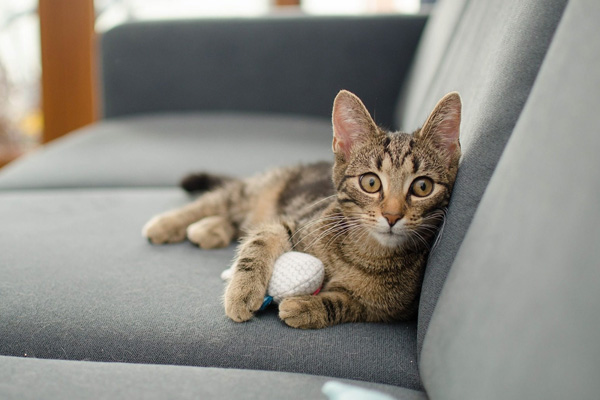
372	222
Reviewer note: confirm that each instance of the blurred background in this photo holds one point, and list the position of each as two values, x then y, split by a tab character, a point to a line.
47	53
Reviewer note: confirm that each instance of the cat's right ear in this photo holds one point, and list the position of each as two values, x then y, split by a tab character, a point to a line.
352	123
442	128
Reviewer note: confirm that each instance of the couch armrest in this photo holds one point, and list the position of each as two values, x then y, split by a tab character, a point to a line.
273	64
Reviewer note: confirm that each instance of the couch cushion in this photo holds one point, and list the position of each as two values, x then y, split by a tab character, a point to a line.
519	315
78	282
158	150
492	59
22	378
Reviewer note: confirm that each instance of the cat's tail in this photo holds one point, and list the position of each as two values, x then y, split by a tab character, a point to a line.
202	182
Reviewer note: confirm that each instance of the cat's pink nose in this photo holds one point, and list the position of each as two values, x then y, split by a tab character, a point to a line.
392	218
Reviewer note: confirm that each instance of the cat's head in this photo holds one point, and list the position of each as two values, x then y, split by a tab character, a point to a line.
393	186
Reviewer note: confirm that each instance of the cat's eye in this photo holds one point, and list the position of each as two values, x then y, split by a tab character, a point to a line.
370	183
422	187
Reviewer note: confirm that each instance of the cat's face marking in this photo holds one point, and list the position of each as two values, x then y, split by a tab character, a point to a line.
392	186
402	199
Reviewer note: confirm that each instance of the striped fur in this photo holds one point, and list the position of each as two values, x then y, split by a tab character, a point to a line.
374	245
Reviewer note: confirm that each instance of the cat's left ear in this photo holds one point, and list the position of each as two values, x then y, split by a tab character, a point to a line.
442	127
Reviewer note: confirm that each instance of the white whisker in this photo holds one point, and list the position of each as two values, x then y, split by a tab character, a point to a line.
342	225
326	225
317	221
318	202
344	230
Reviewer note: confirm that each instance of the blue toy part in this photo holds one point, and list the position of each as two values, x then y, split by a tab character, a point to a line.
268	300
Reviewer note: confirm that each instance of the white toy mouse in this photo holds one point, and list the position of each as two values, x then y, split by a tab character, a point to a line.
294	274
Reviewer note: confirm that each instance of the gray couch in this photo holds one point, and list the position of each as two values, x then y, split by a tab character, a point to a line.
510	306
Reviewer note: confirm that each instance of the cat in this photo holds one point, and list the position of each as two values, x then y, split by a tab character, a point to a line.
371	217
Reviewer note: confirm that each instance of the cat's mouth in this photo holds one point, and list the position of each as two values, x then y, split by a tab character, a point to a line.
389	236
388	239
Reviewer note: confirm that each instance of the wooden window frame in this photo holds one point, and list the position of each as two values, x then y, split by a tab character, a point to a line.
69	80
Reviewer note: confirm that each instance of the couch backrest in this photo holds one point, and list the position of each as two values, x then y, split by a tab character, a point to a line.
274	64
440	29
491	58
519	315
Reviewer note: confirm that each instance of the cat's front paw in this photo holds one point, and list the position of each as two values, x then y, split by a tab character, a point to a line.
304	312
211	232
164	228
243	299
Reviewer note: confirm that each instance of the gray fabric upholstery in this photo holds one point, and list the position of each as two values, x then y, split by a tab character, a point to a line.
22	378
158	150
77	281
437	36
519	315
492	60
285	65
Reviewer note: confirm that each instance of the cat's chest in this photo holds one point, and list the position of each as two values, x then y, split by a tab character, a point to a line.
392	281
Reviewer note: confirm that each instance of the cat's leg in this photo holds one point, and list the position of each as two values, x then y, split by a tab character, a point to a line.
211	232
252	269
171	226
324	309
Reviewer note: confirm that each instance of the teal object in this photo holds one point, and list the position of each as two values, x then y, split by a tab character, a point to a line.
268	300
341	391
